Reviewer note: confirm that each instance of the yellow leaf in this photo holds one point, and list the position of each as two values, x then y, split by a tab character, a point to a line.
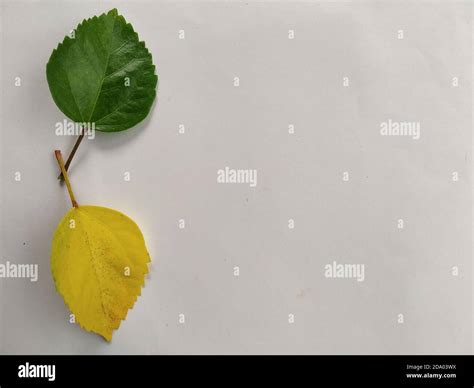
99	262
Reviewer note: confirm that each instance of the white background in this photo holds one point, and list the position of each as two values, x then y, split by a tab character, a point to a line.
173	176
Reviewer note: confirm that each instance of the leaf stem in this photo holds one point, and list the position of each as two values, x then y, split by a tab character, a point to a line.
73	152
59	158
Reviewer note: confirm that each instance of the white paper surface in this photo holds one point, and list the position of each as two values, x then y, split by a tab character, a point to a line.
281	302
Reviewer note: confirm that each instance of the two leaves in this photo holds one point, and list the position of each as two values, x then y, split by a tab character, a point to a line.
103	76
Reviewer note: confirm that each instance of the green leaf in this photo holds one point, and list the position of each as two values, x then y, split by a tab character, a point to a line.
103	75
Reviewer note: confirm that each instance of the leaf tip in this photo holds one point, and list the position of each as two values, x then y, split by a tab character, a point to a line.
107	336
113	12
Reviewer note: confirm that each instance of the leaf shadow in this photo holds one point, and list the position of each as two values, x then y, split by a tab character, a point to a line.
106	141
113	140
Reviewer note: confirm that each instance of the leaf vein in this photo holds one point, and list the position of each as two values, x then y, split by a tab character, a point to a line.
103	77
